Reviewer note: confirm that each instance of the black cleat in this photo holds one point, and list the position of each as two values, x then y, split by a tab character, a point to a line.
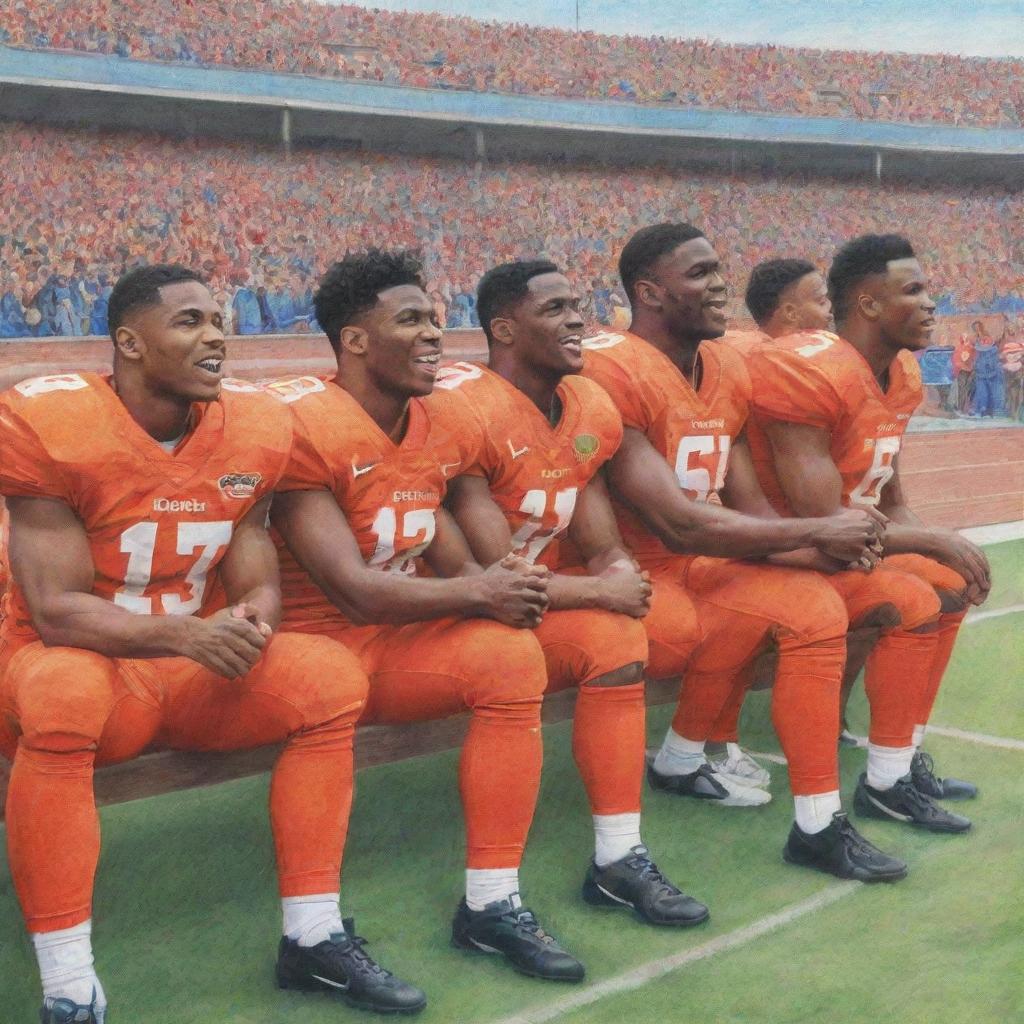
514	932
635	881
64	1011
842	851
905	803
922	771
341	965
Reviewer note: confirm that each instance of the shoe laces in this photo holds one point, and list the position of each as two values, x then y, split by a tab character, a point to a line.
853	838
524	919
354	949
923	767
647	869
909	792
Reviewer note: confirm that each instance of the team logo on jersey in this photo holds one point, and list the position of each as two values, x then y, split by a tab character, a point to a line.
239	485
585	447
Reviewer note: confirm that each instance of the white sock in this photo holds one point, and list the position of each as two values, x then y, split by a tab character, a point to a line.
310	920
488	885
814	813
918	735
66	965
679	756
614	836
886	765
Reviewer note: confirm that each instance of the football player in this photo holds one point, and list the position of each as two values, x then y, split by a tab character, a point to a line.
543	433
684	405
834	408
143	608
363	503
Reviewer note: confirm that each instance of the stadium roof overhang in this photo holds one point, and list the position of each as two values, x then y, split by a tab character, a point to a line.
94	90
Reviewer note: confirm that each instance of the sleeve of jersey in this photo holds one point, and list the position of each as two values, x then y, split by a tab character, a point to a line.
623	390
307	468
470	417
26	469
792	389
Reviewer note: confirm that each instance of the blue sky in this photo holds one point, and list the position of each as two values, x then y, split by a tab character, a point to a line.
983	27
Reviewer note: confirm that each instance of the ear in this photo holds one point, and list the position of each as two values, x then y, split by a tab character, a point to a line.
354	340
788	311
647	294
503	330
128	344
868	307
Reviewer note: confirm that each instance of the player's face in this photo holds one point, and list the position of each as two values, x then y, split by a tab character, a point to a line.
404	341
811	306
907	316
692	291
549	327
180	343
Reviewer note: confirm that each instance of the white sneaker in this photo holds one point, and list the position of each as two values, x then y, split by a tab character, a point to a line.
739	767
706	784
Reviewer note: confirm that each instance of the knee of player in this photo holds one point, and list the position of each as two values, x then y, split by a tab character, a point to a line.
625	675
319	677
619	651
503	664
816	617
64	693
883	616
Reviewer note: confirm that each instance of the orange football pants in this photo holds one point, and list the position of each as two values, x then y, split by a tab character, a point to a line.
743	607
429	670
64	710
904	671
584	647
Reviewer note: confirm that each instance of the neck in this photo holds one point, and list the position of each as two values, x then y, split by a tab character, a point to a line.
870	344
164	417
682	351
389	411
538	386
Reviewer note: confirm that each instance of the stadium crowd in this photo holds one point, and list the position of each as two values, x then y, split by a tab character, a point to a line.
434	51
85	206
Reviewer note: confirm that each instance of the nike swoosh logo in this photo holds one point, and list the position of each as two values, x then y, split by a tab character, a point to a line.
445	466
360	470
516	454
333	984
888	810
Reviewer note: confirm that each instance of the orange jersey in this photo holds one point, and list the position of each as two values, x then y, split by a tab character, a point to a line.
535	470
388	492
745	342
158	523
693	430
817	378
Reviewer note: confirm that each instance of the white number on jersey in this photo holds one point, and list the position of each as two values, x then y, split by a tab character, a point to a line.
603	340
138	542
55	382
415	522
814	347
697	478
530	539
869	490
451	377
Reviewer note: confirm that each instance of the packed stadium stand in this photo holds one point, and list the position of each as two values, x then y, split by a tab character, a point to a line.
431	51
84	205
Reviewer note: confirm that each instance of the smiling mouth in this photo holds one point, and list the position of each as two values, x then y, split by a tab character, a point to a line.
429	362
574	342
212	364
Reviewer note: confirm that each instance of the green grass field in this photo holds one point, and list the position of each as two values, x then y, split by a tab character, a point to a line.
187	919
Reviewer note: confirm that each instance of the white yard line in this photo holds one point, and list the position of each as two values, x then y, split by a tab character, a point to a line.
982	739
654	969
993	613
996	533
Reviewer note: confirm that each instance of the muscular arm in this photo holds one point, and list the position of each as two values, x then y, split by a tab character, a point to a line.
642	478
593	529
907	534
742	492
51	560
318	535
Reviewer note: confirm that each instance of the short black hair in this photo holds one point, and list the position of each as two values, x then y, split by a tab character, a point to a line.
141	287
768	280
644	248
859	258
353	285
504	286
